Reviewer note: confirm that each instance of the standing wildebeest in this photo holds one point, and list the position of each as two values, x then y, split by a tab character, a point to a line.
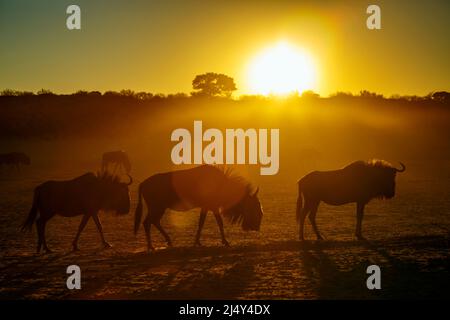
117	158
14	159
85	195
206	187
358	182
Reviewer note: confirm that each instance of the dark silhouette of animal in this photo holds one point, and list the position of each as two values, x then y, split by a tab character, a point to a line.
207	187
358	182
15	159
116	159
85	195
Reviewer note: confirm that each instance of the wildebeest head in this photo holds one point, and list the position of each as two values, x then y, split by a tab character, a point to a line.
384	178
115	193
21	158
248	211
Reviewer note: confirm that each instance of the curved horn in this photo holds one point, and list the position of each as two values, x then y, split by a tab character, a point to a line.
256	192
402	169
131	180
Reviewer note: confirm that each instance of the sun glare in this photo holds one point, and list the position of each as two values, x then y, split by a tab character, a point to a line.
281	70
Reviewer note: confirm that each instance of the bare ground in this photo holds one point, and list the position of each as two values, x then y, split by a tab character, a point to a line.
408	239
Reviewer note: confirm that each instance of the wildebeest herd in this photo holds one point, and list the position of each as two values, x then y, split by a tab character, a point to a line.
210	188
14	159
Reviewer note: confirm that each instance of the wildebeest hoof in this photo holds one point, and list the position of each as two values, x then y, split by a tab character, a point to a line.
225	243
106	245
319	238
48	251
151	250
75	248
197	244
360	238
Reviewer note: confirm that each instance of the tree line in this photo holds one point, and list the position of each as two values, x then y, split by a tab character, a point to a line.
219	85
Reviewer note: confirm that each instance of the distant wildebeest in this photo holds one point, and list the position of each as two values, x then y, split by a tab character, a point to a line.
118	159
207	187
358	182
85	195
14	159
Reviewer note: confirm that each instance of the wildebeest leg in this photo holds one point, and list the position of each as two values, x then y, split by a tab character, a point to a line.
312	219
41	234
303	213
80	228
220	224
100	230
42	243
147	227
163	232
201	222
359	218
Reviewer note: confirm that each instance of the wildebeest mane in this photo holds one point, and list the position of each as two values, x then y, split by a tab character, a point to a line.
377	163
106	176
235	186
379	172
373	163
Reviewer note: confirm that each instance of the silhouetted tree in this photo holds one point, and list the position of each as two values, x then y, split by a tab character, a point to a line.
213	85
111	94
442	96
127	93
309	94
45	92
143	95
15	93
369	95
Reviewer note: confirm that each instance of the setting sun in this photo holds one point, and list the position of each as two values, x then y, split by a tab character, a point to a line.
280	70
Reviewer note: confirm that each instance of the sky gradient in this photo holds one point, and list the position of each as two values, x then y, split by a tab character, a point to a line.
159	46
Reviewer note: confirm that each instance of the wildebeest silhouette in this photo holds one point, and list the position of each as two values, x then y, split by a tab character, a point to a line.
207	187
85	195
14	159
117	159
358	182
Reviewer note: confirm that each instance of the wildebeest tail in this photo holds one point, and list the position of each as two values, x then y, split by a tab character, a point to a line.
28	224
138	213
299	200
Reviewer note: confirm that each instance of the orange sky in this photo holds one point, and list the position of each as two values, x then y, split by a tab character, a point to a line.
159	46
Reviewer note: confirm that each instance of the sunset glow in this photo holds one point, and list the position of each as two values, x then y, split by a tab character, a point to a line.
280	70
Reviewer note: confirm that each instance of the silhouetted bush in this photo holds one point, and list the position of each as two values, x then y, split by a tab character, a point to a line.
44	92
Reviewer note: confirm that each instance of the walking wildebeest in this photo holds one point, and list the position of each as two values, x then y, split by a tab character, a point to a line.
14	159
119	159
206	187
85	195
358	182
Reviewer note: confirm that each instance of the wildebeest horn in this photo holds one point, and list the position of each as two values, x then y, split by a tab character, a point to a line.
131	180
256	192
402	169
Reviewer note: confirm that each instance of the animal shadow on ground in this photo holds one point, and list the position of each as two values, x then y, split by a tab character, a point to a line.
411	272
411	267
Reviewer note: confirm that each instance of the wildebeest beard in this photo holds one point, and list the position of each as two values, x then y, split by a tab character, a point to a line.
115	193
247	211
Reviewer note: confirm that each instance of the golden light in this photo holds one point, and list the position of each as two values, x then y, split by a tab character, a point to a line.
280	70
